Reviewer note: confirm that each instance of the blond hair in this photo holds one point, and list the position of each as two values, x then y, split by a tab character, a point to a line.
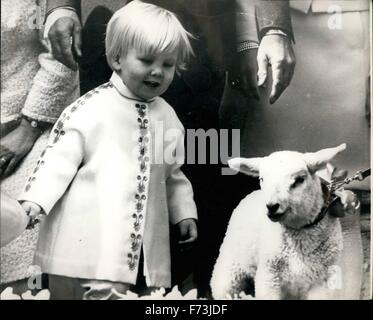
148	28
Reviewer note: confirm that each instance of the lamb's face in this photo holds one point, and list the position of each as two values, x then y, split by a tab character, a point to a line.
291	188
292	193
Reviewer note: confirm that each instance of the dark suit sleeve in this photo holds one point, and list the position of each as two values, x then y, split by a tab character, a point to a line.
273	14
54	4
246	29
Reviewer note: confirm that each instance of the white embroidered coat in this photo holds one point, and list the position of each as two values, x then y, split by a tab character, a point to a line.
104	194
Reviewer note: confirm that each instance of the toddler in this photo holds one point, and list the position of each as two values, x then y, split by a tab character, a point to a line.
106	196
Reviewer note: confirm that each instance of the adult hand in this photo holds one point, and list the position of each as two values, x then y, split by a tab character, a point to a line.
15	146
187	232
65	37
277	51
349	200
245	75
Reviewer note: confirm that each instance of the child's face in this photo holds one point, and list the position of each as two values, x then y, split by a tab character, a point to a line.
147	75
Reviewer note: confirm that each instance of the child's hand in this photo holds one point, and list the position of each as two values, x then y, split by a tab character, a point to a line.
187	233
33	211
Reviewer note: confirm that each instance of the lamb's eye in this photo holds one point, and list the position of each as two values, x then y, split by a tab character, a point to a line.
298	181
261	179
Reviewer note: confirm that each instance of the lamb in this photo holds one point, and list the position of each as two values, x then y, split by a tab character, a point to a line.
279	236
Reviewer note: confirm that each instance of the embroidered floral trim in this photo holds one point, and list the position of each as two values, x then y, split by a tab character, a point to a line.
132	261
136	241
141	184
142	181
137	223
59	131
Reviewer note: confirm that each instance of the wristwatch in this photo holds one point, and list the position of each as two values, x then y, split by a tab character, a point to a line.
36	124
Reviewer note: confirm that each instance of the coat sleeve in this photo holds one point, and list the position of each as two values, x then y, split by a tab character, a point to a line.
273	14
180	199
54	87
58	163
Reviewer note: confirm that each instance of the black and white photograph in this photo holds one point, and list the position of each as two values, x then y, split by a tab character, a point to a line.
201	150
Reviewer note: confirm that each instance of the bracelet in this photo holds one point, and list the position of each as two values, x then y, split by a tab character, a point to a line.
36	124
245	45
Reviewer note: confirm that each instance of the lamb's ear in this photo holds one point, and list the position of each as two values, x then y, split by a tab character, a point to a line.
249	166
317	160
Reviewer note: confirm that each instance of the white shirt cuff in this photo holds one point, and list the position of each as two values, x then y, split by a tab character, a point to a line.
276	31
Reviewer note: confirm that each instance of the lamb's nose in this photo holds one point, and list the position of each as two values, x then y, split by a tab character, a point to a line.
272	208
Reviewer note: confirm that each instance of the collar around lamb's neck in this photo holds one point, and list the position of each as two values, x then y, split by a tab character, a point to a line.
329	201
